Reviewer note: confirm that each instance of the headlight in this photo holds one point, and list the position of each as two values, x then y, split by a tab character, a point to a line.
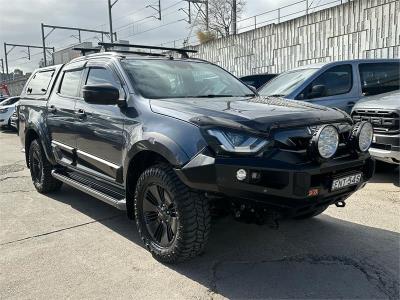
326	141
362	135
237	142
3	110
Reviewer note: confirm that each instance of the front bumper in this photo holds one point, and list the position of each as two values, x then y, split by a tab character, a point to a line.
386	148
281	181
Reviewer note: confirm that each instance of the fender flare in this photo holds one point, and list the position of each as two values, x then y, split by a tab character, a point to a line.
159	144
43	139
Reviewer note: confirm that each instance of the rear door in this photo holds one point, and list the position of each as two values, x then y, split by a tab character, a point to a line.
335	87
61	120
100	136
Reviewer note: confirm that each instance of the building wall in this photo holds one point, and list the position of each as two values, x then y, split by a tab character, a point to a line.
356	29
15	86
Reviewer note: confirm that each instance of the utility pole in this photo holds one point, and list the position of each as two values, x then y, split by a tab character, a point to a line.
234	15
158	10
21	46
79	30
2	69
110	6
197	4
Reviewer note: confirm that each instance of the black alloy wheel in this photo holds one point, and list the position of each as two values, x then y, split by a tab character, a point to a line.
160	215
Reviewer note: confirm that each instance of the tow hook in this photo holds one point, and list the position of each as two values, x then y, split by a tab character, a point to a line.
256	215
340	204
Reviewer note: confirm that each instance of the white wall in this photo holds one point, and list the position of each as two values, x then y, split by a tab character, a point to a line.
357	29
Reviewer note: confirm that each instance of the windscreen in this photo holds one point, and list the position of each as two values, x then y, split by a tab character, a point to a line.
161	78
286	83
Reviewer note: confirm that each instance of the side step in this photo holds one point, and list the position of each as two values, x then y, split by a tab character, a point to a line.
120	204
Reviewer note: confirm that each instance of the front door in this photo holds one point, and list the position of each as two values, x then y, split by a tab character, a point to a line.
100	137
336	87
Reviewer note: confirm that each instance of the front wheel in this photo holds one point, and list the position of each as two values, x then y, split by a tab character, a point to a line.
173	221
41	169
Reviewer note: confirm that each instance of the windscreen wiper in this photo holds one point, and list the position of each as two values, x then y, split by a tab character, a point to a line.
219	96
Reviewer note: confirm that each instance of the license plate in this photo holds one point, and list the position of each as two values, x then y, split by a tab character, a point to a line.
346	181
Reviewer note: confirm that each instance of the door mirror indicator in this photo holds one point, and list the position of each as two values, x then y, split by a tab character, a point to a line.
104	94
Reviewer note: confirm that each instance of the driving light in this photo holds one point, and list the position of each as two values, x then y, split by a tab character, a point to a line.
237	142
3	110
241	174
325	141
362	135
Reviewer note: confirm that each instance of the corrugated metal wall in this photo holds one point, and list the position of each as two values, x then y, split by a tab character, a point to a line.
357	29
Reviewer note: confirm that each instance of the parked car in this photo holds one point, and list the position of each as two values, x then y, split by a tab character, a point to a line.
337	84
383	111
168	139
257	80
7	108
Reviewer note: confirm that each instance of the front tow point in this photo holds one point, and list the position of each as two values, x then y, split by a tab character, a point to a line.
340	204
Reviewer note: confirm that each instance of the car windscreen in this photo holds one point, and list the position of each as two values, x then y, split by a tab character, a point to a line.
161	78
9	101
286	83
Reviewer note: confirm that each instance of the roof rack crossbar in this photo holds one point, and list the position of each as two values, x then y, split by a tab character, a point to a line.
183	52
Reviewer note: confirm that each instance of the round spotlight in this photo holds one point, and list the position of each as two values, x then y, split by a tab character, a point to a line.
326	141
241	174
363	133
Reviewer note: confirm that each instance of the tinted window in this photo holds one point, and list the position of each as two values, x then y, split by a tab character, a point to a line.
335	81
379	78
101	76
39	83
287	82
70	83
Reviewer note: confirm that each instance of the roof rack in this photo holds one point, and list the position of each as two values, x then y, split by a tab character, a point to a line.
183	52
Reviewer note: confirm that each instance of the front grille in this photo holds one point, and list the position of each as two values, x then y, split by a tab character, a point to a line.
383	121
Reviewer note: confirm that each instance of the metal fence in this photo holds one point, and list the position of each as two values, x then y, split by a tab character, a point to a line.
284	13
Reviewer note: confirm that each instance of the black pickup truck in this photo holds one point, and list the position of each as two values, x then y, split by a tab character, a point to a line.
172	140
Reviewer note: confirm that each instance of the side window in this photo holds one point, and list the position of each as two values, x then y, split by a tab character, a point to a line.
70	83
378	78
101	76
39	83
335	81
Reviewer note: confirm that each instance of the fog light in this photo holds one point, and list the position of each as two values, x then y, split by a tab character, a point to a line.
241	174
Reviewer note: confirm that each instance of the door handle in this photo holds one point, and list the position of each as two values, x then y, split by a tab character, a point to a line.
80	113
52	109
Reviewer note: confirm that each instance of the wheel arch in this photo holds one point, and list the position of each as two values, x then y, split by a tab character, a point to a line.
31	134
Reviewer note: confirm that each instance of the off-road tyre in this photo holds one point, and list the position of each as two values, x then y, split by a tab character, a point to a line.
312	214
40	169
191	210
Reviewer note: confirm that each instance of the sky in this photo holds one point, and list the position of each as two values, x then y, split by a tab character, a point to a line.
20	23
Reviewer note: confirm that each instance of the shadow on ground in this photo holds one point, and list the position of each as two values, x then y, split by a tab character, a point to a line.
323	257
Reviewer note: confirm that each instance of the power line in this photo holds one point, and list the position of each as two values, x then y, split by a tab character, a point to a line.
153	28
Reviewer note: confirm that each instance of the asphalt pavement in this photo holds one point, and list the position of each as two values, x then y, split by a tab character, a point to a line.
70	245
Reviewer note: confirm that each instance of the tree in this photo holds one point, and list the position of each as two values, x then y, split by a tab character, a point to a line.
205	36
220	16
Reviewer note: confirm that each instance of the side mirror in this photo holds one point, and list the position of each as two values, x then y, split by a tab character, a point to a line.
104	94
317	91
252	87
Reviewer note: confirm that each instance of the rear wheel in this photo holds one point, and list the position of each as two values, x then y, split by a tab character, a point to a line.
40	169
172	220
312	213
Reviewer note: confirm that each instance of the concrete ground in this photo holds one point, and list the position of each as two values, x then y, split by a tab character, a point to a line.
70	245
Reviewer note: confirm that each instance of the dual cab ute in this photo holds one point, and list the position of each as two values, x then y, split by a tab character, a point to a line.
171	140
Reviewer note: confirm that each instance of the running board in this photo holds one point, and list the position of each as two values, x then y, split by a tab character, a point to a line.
120	204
